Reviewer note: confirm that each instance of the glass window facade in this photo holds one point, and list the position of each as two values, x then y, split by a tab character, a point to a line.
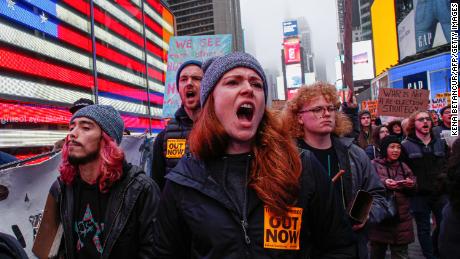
48	60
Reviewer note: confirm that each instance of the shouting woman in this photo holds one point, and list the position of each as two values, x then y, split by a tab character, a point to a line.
245	191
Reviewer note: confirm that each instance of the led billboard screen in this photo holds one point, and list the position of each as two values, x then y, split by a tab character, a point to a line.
291	51
426	25
385	40
363	61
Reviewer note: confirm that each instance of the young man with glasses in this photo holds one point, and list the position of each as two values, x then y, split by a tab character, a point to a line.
312	117
426	154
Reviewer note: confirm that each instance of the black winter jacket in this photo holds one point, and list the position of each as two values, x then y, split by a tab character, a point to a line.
197	220
427	162
178	128
130	215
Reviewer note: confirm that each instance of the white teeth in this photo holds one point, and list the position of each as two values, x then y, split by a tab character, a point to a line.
246	105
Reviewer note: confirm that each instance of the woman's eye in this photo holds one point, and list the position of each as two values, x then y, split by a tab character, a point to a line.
232	82
257	84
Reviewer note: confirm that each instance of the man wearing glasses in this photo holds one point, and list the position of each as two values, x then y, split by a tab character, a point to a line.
312	117
426	154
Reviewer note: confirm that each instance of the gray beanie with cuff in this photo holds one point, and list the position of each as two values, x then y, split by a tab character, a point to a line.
214	68
106	117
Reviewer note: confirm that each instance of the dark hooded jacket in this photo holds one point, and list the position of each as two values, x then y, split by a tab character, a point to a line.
177	128
427	162
359	175
198	219
395	232
130	215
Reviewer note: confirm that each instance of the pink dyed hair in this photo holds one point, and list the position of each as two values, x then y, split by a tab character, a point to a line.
111	168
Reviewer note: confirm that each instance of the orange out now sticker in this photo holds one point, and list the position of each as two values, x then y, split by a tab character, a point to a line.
175	148
282	232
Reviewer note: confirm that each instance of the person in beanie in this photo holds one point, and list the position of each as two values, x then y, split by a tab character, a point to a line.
244	191
365	134
312	118
396	232
172	143
107	207
427	157
77	105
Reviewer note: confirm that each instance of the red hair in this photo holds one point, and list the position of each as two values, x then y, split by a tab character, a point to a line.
276	166
111	167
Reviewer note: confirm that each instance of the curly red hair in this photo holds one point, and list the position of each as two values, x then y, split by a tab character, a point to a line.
276	166
111	168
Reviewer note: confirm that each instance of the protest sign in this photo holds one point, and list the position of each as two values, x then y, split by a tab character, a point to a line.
371	106
182	49
401	102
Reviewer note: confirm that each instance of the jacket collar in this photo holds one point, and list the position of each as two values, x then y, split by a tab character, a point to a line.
192	173
182	116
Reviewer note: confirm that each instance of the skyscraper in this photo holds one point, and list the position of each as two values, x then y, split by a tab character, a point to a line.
305	43
204	17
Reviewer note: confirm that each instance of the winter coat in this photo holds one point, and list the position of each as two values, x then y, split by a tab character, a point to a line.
360	175
449	234
372	151
395	232
426	169
130	215
198	220
178	128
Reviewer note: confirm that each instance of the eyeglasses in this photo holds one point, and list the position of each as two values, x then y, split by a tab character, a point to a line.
423	119
319	111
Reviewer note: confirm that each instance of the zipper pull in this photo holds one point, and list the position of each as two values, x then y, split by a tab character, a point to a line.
244	224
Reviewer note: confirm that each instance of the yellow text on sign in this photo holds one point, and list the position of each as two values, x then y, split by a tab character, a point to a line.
175	148
282	232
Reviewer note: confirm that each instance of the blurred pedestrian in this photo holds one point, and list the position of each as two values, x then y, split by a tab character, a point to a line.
244	191
365	134
396	232
395	129
373	150
449	234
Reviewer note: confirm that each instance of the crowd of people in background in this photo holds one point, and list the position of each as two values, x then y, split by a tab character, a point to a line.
237	180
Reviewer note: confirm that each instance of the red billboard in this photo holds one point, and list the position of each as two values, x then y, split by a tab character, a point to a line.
291	51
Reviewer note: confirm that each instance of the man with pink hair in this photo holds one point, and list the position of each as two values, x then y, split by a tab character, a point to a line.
106	206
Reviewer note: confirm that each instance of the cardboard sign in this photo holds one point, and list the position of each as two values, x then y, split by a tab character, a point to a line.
401	102
371	106
282	232
175	148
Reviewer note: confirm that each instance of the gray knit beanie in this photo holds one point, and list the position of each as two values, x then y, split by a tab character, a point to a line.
106	117
185	64
215	68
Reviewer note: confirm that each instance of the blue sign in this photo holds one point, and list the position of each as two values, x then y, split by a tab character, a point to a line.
290	29
184	48
416	81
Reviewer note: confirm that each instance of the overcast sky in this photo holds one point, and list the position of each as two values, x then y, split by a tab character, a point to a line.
262	26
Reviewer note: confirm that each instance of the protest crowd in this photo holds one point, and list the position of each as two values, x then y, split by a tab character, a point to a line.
233	178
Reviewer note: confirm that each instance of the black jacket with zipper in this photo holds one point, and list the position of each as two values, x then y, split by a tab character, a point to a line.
129	218
197	219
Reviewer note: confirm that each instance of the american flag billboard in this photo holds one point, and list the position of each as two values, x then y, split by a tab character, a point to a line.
46	62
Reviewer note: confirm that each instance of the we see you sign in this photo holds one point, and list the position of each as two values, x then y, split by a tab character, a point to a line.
185	48
401	102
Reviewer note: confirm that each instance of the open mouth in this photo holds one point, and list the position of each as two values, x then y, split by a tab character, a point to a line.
245	112
425	127
190	94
